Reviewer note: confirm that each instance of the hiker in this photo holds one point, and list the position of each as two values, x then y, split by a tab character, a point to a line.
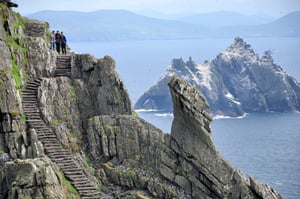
52	40
63	43
57	41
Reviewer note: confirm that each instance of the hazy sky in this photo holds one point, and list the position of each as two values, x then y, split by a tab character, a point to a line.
269	7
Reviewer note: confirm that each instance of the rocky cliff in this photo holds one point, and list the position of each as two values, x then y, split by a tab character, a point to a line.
235	82
67	130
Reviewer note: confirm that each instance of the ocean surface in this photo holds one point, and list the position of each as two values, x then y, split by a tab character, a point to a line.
265	145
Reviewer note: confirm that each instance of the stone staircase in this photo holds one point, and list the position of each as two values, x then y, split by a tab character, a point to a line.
63	66
52	146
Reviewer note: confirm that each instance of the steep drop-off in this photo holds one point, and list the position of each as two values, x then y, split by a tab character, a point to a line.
67	130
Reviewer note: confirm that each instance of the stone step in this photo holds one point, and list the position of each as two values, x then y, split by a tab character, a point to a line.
33	117
63	161
29	101
29	117
45	131
73	173
31	87
33	113
68	167
46	136
72	170
67	164
91	193
49	142
92	197
52	146
87	192
79	178
29	98
63	75
31	109
57	150
29	105
82	183
59	154
36	121
37	125
62	71
50	139
29	94
33	83
64	66
28	110
95	197
38	80
82	186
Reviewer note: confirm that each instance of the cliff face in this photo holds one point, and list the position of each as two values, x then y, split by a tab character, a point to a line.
67	130
235	82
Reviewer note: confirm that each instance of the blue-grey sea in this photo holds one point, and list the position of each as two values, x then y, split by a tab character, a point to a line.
265	145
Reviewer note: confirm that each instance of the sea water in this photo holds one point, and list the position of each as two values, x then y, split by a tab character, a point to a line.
265	145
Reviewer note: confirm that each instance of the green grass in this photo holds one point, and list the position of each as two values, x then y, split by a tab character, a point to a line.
16	75
73	91
48	33
23	118
54	123
1	152
69	186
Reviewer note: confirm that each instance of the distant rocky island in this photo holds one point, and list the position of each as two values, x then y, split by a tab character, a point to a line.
237	81
67	130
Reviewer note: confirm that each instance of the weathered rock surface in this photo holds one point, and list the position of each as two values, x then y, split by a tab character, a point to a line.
235	82
71	116
32	178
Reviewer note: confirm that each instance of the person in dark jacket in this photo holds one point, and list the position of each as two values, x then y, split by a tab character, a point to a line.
57	41
63	43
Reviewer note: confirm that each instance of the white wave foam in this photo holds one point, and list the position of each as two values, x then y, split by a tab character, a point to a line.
164	114
145	110
218	117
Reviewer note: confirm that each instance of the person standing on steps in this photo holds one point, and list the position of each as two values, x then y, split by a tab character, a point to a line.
57	41
63	43
52	40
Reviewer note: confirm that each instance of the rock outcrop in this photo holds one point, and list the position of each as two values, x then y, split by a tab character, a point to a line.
235	82
67	130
